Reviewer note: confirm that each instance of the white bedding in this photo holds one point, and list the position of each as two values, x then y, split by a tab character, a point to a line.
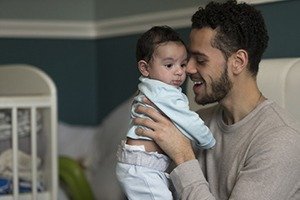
23	116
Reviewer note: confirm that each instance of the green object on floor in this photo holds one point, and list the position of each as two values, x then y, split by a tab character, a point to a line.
74	180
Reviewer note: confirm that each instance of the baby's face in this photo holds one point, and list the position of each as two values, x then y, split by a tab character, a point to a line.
168	63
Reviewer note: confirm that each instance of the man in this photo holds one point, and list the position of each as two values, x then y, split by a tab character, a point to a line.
258	144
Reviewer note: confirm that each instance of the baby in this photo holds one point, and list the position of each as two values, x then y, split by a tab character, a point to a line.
162	59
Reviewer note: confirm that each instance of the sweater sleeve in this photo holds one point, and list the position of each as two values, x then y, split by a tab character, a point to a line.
270	171
190	182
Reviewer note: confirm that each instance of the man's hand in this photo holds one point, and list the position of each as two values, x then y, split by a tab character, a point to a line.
165	134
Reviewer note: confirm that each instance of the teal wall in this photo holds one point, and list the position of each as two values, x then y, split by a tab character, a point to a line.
118	75
72	64
95	75
282	19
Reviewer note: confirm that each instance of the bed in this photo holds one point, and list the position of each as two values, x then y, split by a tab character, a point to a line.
28	128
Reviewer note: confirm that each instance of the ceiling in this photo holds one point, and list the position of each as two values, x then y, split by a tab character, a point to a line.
118	8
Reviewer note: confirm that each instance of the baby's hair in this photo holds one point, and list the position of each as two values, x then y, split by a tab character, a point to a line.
151	38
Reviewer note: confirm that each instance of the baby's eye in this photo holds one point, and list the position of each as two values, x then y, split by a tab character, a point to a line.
169	65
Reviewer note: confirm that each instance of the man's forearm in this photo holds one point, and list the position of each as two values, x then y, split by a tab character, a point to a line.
190	182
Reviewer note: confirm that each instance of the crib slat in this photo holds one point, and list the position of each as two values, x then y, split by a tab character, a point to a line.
33	153
15	152
54	155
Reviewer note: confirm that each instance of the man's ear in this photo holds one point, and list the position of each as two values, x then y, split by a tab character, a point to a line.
143	67
240	61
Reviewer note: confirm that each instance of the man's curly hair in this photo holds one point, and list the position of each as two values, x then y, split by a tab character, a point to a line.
238	26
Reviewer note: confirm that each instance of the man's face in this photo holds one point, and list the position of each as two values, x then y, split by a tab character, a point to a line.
207	68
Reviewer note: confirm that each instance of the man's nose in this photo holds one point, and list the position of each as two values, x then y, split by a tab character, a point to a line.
191	67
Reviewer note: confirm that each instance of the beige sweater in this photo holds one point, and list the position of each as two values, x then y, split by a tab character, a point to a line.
257	158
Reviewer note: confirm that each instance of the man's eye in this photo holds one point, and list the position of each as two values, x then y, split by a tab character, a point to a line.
183	64
200	62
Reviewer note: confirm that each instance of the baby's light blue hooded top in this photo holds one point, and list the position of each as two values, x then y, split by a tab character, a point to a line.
174	104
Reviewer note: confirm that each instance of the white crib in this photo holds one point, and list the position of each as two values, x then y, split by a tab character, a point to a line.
24	87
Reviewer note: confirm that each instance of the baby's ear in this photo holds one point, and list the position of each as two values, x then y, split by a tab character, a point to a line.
143	67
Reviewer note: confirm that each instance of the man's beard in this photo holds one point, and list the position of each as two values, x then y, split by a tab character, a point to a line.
220	89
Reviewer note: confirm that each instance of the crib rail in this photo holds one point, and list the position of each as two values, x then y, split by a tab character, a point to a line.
42	195
16	162
27	87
